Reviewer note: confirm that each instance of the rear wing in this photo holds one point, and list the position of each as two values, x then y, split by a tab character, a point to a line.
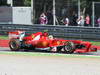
15	34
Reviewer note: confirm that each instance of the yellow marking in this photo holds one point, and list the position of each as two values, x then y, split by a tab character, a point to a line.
33	36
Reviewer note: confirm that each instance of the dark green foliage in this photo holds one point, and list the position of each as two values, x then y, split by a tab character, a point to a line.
27	2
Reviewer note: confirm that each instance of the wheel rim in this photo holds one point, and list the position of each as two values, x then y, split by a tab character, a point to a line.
13	45
68	48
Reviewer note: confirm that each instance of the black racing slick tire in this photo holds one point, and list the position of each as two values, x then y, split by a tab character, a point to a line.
69	47
14	44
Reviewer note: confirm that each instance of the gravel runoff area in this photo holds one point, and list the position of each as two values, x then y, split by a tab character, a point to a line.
48	65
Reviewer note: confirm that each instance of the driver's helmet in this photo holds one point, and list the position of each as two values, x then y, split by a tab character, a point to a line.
45	34
50	36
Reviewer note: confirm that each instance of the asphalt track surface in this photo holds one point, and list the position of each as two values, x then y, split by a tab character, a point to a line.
47	65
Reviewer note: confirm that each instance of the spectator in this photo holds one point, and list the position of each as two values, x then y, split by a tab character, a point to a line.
50	17
80	20
98	21
87	20
43	19
74	19
66	21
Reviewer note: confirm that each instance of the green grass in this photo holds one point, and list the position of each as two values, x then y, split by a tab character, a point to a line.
4	37
49	54
95	42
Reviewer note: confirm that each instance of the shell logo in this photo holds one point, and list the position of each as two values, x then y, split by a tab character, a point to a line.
58	42
43	43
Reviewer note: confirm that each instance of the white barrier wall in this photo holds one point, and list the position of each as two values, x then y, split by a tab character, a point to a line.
22	15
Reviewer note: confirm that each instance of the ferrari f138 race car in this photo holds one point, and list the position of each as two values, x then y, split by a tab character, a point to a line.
43	41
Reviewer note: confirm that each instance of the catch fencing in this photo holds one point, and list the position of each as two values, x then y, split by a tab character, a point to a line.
86	33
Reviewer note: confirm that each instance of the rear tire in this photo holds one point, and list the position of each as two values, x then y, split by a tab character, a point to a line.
69	47
14	44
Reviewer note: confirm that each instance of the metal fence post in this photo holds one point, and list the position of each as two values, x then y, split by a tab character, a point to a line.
93	14
54	17
78	8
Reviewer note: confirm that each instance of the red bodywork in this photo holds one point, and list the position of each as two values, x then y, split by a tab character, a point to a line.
42	41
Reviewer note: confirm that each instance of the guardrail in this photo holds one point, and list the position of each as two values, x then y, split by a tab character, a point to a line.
87	33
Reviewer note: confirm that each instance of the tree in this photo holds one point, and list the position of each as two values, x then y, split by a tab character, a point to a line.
27	2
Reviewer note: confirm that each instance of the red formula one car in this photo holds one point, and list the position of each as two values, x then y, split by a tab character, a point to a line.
43	41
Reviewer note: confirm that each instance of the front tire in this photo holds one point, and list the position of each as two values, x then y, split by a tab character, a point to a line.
69	47
14	44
